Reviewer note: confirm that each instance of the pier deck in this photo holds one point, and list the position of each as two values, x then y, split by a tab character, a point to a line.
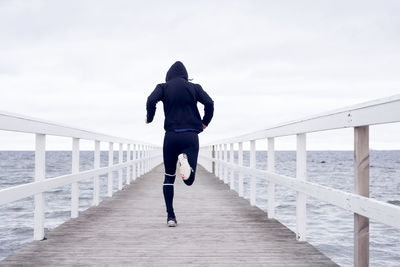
215	228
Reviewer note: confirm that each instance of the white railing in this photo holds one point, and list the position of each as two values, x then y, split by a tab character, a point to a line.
140	160
214	159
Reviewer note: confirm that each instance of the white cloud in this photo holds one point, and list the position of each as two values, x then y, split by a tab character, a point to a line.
93	63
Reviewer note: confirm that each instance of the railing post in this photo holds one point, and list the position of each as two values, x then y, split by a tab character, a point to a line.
217	165
301	198
150	159
147	159
213	157
361	187
232	173
226	161
120	160
96	164
128	168
252	178
75	187
240	162
134	165
144	158
220	164
140	160
271	185
110	173
40	173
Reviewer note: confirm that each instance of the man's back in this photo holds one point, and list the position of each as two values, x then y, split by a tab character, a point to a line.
180	97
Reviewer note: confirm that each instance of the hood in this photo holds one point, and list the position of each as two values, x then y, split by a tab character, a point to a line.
177	70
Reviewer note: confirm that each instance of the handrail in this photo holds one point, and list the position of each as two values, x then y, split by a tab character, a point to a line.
214	157
21	191
22	123
381	111
140	160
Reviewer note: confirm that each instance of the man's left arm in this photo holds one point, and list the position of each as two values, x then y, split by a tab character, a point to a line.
152	100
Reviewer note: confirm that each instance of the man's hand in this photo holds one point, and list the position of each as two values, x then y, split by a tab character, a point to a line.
145	120
204	126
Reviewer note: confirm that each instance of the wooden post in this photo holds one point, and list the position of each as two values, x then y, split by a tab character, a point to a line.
361	187
232	173
271	185
301	198
252	178
220	165
75	187
226	160
213	156
96	164
145	161
120	160
110	173
219	156
40	173
128	168
240	162
210	162
140	157
134	165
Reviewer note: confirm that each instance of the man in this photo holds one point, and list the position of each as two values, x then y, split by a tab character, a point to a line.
182	124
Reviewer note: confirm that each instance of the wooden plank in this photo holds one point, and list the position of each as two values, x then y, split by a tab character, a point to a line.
361	187
215	228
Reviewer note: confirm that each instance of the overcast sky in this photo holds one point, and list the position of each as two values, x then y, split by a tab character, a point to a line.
92	64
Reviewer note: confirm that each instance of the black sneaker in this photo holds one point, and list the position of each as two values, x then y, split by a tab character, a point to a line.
171	222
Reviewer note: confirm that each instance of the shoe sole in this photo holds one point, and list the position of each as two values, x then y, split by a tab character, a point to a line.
184	167
171	224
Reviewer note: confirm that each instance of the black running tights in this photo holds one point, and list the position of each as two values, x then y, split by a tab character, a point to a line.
175	144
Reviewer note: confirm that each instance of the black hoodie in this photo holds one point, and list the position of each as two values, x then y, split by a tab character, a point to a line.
180	98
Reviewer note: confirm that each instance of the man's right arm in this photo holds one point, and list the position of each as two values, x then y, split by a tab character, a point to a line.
152	100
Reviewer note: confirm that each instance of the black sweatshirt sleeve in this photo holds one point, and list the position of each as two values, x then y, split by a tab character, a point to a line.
152	100
208	103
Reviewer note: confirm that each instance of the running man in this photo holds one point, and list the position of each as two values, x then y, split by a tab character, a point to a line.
182	124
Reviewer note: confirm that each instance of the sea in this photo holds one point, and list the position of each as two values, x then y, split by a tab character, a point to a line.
329	229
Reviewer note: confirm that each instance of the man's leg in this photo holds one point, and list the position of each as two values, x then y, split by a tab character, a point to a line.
168	190
170	158
192	153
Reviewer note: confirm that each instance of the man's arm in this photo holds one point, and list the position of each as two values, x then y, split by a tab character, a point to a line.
208	103
152	100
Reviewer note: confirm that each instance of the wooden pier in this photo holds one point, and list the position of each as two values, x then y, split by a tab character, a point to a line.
215	228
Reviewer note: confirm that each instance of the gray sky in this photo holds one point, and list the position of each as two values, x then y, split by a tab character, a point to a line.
92	64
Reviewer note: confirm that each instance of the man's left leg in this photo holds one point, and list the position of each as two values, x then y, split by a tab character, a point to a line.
192	153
